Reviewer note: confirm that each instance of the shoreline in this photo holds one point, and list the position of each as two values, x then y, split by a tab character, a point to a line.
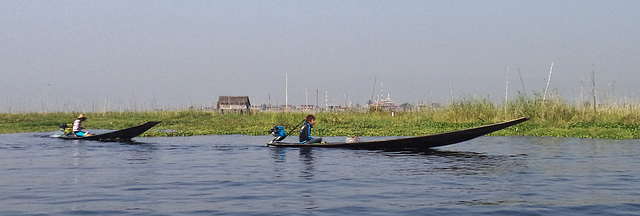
332	124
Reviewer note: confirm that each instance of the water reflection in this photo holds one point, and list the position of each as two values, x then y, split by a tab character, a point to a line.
142	153
307	159
278	155
307	172
460	163
78	158
79	153
305	156
306	175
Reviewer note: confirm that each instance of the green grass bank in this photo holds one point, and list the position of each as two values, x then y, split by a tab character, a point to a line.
548	118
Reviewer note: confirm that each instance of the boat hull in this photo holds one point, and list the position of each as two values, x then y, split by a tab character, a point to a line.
123	135
418	142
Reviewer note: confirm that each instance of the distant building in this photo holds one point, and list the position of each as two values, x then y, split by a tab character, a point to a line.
234	104
385	104
306	107
257	108
334	108
287	107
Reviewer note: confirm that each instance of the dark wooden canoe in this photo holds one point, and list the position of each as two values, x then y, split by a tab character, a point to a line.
123	135
418	142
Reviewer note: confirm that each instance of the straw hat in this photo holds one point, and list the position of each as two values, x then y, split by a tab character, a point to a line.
81	116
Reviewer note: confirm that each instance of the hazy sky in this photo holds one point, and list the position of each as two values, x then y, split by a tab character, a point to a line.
80	55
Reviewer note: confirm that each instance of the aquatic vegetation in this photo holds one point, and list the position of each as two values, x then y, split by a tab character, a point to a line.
548	118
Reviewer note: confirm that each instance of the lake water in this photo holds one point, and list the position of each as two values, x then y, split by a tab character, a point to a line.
239	175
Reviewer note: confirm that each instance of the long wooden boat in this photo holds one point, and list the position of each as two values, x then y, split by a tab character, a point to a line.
418	142
123	135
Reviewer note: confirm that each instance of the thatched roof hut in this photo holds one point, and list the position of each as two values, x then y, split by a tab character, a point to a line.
234	103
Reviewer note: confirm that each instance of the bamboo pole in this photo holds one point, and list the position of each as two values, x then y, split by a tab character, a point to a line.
451	90
286	89
506	92
521	81
104	110
593	81
544	97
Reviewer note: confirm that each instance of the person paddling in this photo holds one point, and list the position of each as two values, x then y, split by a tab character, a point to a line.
77	127
305	131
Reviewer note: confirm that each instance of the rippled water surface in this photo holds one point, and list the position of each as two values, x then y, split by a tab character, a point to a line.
239	175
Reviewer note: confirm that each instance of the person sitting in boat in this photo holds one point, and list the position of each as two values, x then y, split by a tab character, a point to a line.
305	131
77	127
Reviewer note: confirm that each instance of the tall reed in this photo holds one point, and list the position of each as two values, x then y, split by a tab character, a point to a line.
554	117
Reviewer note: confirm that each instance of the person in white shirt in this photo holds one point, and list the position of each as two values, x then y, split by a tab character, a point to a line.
77	127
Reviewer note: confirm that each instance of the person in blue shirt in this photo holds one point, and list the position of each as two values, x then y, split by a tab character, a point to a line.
305	131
